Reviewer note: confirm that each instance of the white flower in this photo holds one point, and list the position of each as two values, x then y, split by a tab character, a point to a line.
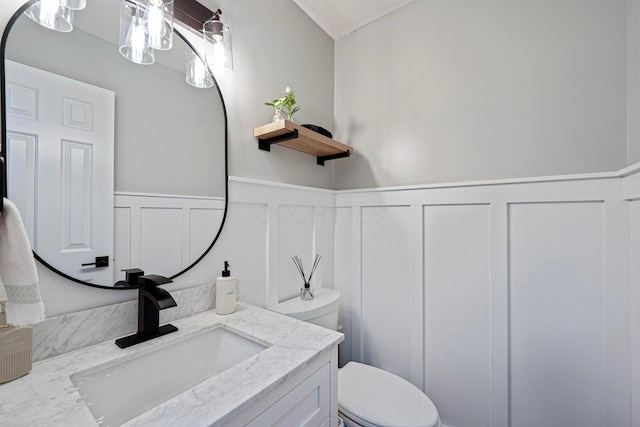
287	89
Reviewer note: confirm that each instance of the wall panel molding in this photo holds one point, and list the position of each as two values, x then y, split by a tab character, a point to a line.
557	314
162	233
607	200
294	220
457	310
21	170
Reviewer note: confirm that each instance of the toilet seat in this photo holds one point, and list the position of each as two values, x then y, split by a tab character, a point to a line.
373	397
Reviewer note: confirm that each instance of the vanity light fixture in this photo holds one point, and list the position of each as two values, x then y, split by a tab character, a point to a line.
134	38
52	14
74	4
147	26
217	45
197	74
159	22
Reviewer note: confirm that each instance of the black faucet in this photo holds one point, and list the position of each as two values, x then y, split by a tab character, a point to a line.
151	300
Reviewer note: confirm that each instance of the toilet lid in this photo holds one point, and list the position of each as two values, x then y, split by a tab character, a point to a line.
324	301
382	398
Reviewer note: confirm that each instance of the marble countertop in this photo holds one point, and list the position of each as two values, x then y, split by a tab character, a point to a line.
47	397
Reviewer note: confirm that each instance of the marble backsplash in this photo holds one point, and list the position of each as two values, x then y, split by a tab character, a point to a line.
73	331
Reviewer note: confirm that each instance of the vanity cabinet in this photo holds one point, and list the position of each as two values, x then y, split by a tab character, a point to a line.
309	399
292	381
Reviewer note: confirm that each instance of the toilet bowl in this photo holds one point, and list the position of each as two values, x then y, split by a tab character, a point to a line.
367	396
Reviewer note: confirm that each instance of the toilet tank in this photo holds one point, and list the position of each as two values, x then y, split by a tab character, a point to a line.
322	310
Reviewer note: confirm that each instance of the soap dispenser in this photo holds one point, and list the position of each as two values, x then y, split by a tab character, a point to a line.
226	291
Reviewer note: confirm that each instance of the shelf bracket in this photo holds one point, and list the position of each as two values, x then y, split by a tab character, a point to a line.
265	144
322	159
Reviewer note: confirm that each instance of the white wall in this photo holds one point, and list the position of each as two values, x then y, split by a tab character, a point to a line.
633	80
634	302
162	234
275	45
443	90
509	302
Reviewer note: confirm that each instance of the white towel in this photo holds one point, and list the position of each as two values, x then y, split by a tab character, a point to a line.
18	270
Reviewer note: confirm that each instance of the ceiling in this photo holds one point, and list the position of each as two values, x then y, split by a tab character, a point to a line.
341	17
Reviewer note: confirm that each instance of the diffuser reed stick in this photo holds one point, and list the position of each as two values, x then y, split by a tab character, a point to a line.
307	291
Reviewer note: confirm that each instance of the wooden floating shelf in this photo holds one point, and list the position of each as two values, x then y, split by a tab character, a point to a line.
299	138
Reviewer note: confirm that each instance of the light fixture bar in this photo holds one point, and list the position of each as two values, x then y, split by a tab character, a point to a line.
191	13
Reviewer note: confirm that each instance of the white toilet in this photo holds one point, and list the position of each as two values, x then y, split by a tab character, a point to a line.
367	396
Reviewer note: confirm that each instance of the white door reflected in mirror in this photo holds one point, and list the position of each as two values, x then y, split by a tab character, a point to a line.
60	150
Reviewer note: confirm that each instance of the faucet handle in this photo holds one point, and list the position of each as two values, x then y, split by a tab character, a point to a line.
151	281
131	275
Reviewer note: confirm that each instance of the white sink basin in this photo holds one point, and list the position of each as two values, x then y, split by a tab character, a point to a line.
119	392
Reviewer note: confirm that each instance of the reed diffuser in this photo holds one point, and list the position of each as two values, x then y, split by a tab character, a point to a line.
306	292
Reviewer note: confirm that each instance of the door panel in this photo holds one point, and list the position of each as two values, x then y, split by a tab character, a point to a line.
67	127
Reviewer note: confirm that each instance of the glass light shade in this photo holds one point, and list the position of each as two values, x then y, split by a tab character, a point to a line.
134	40
74	4
50	14
217	46
159	22
196	71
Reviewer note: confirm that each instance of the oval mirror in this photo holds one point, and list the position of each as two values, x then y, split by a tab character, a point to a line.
113	165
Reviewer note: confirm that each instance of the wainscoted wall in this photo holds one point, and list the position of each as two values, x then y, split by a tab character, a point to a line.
268	224
163	233
511	303
631	192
